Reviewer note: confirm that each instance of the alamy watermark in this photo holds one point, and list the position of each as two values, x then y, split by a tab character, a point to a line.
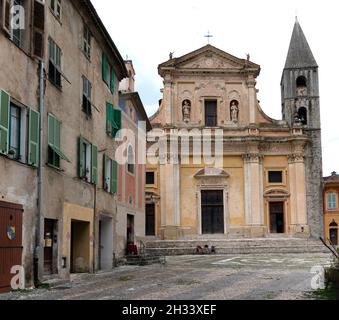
17	17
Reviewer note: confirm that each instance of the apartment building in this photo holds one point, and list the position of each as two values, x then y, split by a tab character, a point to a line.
60	116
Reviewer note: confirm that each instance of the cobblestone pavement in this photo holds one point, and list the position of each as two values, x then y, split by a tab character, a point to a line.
247	277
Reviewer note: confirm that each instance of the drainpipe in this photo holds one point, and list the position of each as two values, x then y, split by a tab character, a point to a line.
94	226
38	249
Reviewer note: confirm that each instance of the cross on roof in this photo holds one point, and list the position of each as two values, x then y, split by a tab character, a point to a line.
208	36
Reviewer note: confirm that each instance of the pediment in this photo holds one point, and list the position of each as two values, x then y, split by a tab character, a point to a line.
277	193
209	58
211	173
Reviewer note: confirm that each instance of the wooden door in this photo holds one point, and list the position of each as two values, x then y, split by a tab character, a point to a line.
212	212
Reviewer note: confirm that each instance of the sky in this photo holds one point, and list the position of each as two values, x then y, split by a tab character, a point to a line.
147	31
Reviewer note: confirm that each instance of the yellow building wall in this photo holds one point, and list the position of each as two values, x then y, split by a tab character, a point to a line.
78	213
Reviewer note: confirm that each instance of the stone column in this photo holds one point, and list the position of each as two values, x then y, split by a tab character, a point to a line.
168	99
253	187
299	222
170	196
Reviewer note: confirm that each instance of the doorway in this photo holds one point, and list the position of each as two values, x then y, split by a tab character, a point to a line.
212	212
334	233
130	229
50	246
150	219
105	243
277	217
80	246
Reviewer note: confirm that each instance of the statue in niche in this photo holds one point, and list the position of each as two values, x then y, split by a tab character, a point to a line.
235	111
186	110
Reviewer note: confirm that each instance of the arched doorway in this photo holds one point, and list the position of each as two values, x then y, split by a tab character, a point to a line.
334	233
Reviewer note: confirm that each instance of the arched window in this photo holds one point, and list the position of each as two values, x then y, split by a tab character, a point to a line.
301	82
331	201
131	160
302	113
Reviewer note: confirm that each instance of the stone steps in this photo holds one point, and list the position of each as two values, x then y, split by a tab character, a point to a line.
230	246
143	260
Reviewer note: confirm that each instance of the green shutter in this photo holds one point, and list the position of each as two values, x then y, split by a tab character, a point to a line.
51	130
112	84
117	120
4	122
94	163
104	172
109	108
104	67
57	133
33	138
81	163
114	177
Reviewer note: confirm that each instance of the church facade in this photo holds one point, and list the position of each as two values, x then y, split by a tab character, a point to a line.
218	166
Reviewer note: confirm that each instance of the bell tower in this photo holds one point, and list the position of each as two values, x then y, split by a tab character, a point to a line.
301	107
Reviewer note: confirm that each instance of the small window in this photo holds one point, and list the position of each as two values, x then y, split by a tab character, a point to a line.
332	201
86	96
301	82
54	71
87	42
150	178
55	6
131	160
275	177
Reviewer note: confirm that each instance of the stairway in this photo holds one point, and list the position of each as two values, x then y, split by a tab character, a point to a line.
144	259
236	246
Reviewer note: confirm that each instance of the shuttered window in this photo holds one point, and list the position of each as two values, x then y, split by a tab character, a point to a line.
55	6
86	96
113	120
54	70
54	142
4	122
110	170
33	138
87	39
38	29
332	201
88	161
112	81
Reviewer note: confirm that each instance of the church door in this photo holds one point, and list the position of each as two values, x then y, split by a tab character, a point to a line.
277	221
212	212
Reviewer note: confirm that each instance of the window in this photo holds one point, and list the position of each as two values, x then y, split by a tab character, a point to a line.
150	178
87	42
38	29
54	72
332	201
54	142
86	96
110	175
15	132
14	124
88	161
18	22
55	6
108	73
211	119
113	120
275	177
302	113
131	160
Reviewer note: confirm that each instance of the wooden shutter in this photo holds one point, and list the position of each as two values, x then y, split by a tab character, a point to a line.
51	130
117	120
94	164
81	160
6	16
104	172
114	177
4	122
104	67
33	138
109	117
38	29
112	84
